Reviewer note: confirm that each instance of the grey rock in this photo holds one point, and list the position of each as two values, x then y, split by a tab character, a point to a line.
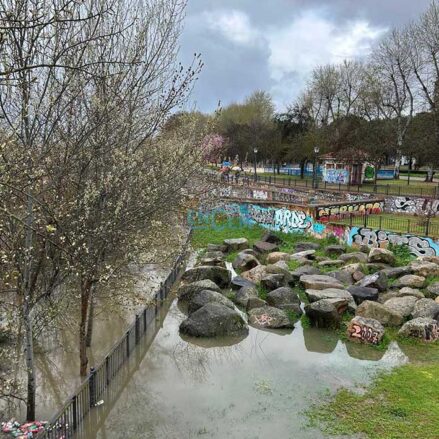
216	247
255	274
410	280
306	254
401	305
382	255
377	311
384	297
274	257
325	313
187	291
244	294
236	244
357	257
342	276
320	282
433	289
304	270
269	317
214	255
273	281
424	268
364	330
332	263
215	262
335	250
378	280
426	308
245	262
255	302
303	246
219	275
332	293
358	275
360	294
272	238
422	327
284	298
396	272
262	247
239	282
407	291
204	297
213	320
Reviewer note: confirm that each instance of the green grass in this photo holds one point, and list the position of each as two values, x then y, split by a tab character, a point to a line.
262	292
400	404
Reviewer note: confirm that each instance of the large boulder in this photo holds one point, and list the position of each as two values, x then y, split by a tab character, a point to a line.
269	317
382	255
204	297
187	291
378	280
304	270
426	308
328	293
272	238
216	248
335	250
255	302
213	320
331	263
395	272
364	330
244	294
423	327
239	282
352	258
407	291
384	297
278	268
255	274
434	259
424	268
274	257
245	262
377	311
303	246
235	244
320	282
273	281
262	247
284	298
326	313
342	276
214	254
433	289
303	255
221	276
360	294
401	305
410	280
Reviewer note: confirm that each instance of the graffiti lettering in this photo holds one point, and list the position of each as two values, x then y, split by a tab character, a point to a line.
334	212
364	333
380	238
260	195
336	176
291	220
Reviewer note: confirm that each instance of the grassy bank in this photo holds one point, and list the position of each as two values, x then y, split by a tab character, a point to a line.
401	404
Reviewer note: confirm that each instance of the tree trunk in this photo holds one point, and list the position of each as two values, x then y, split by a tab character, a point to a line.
430	174
90	319
30	367
398	159
85	299
302	169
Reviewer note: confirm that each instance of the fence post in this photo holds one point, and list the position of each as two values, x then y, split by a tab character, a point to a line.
350	219
144	320
137	329
128	343
381	222
75	412
92	386
399	190
107	370
365	220
427	227
408	226
387	189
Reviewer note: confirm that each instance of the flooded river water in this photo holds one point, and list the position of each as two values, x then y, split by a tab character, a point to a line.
257	387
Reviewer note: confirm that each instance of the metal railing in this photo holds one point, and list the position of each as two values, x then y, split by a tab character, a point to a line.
69	419
366	188
426	227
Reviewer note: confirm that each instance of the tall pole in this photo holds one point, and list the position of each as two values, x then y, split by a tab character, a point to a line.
255	151
314	170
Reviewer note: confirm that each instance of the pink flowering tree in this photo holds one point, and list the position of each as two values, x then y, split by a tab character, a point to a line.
213	148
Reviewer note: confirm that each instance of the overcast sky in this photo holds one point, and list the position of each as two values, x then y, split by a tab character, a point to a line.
274	44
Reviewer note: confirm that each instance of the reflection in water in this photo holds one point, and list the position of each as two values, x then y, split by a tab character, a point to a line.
254	387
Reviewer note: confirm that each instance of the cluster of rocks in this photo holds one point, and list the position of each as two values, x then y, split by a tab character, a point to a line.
338	282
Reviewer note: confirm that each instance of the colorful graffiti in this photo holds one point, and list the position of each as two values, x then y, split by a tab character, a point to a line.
380	238
328	213
259	194
337	176
412	205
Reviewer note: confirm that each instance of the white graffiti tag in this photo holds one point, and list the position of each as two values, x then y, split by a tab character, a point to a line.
291	220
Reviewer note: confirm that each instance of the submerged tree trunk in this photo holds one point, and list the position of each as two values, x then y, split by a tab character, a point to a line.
90	320
85	299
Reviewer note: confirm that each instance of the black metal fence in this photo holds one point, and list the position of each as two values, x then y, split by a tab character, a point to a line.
428	227
367	188
77	408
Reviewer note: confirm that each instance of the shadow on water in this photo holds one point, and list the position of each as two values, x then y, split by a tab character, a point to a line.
252	387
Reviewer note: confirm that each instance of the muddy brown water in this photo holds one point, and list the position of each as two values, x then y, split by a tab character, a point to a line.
255	387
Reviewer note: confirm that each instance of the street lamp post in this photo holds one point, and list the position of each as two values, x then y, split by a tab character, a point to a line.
255	151
314	170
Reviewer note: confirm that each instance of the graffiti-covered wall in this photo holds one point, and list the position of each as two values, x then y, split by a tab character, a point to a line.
338	176
412	205
328	213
